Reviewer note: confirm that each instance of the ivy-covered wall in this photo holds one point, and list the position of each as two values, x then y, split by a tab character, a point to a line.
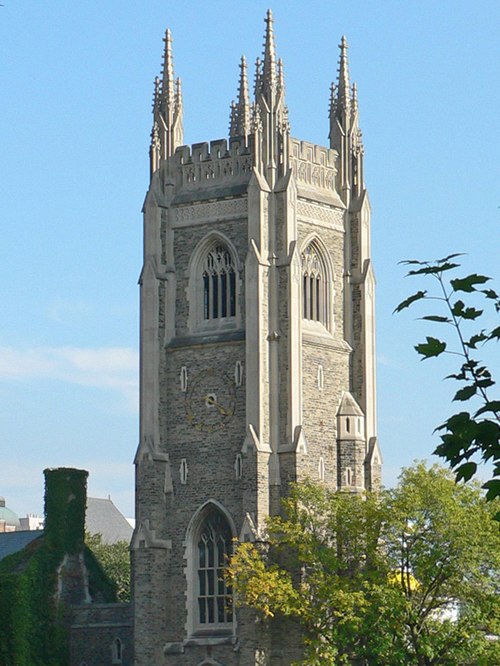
38	583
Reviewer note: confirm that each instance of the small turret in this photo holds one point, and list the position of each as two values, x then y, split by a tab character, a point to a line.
345	135
167	132
240	111
270	100
351	445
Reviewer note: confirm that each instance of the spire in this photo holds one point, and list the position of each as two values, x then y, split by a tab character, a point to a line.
168	69
345	136
343	91
167	109
269	68
239	124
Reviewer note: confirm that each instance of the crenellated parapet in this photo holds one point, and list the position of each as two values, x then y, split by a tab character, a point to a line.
312	165
213	164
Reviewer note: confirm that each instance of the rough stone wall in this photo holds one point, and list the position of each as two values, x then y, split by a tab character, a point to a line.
95	627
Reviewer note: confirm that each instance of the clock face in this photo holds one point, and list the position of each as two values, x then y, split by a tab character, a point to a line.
210	400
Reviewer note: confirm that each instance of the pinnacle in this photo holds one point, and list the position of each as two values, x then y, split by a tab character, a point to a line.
269	68
240	110
343	90
168	68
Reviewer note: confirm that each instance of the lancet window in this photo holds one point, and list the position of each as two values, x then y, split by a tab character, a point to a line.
315	296
219	284
214	596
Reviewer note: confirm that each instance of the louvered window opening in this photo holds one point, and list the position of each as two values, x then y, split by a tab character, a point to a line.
314	287
219	284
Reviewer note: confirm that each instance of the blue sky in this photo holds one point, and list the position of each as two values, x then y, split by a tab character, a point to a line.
76	82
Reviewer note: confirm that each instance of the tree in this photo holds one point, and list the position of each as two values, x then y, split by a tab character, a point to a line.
408	576
465	438
115	561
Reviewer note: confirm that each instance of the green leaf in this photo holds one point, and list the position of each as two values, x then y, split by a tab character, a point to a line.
465	471
495	333
460	376
471	313
490	293
488	435
405	262
493	488
467	283
466	392
473	341
411	299
433	347
433	270
450	256
458	308
490	406
485	383
438	318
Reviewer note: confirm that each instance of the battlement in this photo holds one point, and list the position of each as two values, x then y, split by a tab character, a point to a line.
313	165
216	163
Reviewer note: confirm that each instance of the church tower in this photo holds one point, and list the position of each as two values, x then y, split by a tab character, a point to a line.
257	352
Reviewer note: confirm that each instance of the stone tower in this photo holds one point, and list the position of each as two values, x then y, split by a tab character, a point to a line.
257	351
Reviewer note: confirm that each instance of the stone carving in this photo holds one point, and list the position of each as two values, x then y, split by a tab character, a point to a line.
214	210
310	212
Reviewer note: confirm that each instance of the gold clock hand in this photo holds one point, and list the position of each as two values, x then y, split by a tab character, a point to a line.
211	401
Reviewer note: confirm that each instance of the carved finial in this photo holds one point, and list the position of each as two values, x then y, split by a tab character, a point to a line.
354	99
233	120
178	96
281	77
343	92
333	101
269	69
258	76
256	122
156	95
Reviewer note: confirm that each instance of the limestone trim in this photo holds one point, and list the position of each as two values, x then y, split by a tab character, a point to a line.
211	211
252	442
317	338
320	215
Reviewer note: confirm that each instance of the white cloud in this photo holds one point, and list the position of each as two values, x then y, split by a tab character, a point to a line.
111	368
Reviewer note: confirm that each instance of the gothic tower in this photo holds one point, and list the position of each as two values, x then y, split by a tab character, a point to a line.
257	351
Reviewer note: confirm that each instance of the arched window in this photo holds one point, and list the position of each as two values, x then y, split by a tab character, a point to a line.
315	286
219	283
213	547
214	273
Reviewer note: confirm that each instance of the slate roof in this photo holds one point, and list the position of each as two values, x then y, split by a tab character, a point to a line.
12	542
105	519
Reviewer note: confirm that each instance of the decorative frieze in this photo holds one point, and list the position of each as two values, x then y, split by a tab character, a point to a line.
320	215
210	211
